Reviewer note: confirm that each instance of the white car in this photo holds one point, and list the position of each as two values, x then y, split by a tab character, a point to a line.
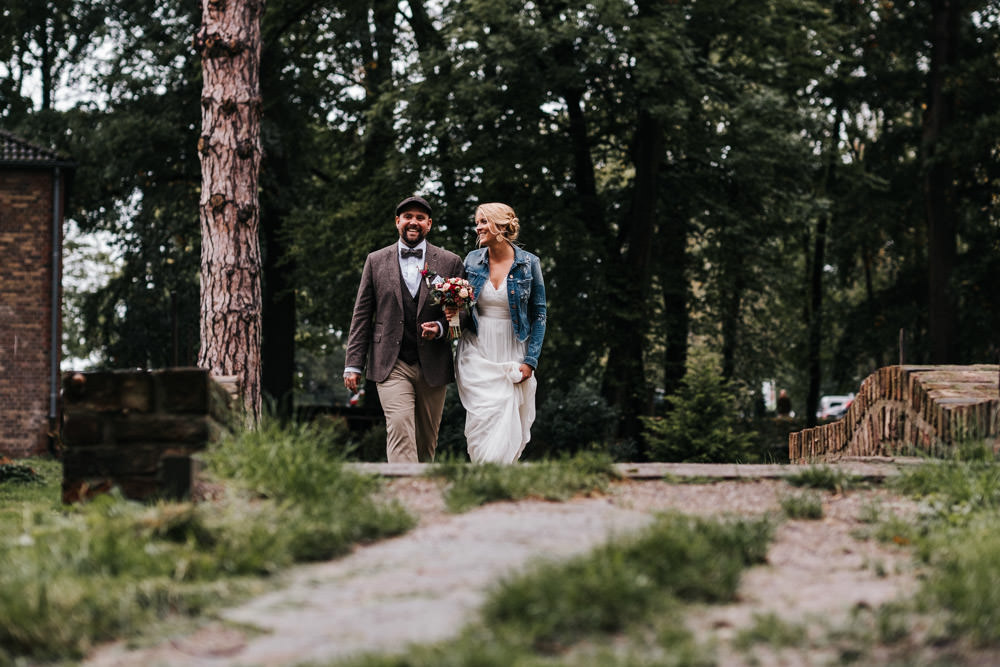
833	407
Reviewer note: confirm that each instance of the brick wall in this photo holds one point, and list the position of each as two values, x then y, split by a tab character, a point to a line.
25	295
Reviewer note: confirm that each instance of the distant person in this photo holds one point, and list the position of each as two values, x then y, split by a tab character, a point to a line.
498	354
784	404
410	354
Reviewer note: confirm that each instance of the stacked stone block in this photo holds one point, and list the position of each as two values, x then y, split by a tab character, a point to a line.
139	431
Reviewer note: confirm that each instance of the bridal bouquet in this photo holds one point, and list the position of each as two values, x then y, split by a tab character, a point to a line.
455	292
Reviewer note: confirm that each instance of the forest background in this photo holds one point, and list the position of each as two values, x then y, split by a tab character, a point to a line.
805	191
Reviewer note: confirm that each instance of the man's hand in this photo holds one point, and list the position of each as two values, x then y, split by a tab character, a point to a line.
351	381
429	330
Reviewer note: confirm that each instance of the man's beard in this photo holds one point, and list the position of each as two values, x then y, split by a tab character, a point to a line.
403	237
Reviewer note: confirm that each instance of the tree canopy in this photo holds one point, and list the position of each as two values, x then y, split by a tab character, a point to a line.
795	185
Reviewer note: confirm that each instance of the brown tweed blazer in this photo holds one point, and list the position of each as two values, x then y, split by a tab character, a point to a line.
377	326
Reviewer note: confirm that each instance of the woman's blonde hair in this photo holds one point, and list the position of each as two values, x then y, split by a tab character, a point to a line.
500	220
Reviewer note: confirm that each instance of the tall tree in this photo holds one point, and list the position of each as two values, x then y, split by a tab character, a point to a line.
229	43
44	45
940	197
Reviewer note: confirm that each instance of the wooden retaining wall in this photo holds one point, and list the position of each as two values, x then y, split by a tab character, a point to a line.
908	410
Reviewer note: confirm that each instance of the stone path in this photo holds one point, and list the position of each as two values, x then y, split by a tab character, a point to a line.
869	468
426	585
420	587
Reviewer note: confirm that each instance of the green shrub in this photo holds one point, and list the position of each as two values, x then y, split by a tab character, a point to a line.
771	436
451	436
572	421
18	473
701	425
367	445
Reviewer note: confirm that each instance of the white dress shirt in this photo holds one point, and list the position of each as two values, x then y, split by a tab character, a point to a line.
411	266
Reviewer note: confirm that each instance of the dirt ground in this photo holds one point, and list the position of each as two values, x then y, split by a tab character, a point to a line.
818	573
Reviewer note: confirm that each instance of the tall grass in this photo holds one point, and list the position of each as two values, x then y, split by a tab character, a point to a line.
301	468
958	537
74	576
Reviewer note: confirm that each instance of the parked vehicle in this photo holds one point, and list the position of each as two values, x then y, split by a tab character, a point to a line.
834	407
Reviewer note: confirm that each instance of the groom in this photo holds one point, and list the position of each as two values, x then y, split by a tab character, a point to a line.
410	356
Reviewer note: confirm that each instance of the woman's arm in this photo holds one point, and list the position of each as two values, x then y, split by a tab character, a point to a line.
536	313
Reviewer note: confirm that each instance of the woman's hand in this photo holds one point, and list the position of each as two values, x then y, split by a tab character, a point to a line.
526	372
450	311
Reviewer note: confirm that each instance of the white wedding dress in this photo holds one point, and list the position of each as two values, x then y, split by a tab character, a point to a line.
499	413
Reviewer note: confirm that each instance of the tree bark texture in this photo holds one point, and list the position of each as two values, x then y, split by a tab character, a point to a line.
229	43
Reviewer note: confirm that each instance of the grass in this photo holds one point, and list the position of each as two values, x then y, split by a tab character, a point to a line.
328	507
78	575
958	538
595	609
468	485
620	582
570	612
802	506
39	486
771	630
825	478
75	576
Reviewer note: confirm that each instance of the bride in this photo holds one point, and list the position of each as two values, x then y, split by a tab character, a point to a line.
498	354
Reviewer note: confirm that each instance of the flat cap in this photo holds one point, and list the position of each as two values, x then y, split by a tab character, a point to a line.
409	201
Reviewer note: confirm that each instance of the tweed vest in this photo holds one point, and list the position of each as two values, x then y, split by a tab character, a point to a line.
408	347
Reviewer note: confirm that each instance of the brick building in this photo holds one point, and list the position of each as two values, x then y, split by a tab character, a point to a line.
34	183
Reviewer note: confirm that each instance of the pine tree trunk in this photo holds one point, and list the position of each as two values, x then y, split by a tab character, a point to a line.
229	43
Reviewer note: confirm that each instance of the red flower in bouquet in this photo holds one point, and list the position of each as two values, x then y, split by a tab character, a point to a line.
455	292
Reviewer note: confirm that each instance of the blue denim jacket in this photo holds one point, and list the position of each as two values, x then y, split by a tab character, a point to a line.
525	294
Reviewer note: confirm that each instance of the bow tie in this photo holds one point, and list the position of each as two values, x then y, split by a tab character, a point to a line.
411	252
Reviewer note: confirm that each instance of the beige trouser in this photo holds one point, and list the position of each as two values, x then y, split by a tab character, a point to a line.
412	414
